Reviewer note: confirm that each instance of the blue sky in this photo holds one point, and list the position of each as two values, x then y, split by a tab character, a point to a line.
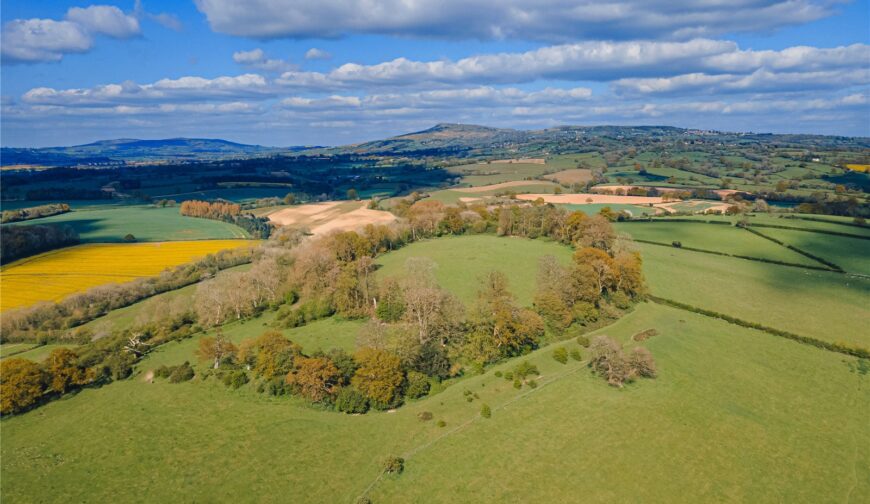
292	72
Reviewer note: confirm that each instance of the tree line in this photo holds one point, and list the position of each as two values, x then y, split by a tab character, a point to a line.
257	227
23	241
36	212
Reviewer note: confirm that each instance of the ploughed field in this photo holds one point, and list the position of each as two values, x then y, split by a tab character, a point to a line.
54	275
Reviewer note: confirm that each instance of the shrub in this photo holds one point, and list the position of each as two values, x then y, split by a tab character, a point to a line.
163	371
608	361
677	244
235	379
425	416
498	374
129	238
441	423
524	369
575	354
349	400
418	385
469	398
560	355
642	363
485	411
181	373
585	313
508	375
583	341
394	464
518	384
620	300
533	384
363	500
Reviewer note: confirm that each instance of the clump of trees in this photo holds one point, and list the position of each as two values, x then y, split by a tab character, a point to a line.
258	227
36	212
24	241
24	383
608	360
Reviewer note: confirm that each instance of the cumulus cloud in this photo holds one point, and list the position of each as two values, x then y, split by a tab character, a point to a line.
257	59
559	20
36	40
164	90
106	20
317	54
164	19
594	61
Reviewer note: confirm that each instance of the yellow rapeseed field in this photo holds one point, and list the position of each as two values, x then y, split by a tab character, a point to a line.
54	275
858	167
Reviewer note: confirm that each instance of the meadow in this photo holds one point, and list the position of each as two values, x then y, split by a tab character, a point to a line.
59	273
851	254
722	409
462	260
110	224
493	173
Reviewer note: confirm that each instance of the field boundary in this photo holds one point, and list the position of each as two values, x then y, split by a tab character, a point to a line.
820	231
737	256
842	348
814	257
827	221
755	224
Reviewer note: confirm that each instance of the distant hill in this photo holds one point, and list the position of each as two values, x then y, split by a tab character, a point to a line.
122	150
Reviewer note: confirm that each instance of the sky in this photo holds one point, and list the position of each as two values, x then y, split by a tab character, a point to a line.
333	72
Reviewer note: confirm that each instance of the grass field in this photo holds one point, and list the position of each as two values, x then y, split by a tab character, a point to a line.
719	238
28	351
729	403
462	260
594	208
824	305
54	275
851	254
498	172
146	223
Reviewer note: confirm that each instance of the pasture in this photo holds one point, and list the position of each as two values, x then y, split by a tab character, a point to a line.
851	254
462	260
55	275
109	224
479	174
723	407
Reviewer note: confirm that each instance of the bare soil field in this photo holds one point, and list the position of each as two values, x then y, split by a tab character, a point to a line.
583	198
502	185
521	160
322	218
575	176
699	206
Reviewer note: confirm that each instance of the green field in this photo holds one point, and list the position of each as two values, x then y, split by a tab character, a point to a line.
824	305
724	407
499	172
851	254
28	351
719	238
146	223
462	260
594	208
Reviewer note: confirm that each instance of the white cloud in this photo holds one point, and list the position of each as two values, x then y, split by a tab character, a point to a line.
257	59
759	81
36	40
317	54
164	90
559	20
31	40
106	20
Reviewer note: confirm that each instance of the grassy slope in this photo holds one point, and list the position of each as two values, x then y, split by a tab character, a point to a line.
729	403
462	260
828	306
719	238
146	223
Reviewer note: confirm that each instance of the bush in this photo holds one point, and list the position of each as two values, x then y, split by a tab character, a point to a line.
235	379
583	341
418	385
425	416
129	238
560	355
163	371
620	300
508	376
349	400
498	374
533	384
575	354
182	373
524	369
677	244
485	411
441	423
394	464
642	363
585	313
518	384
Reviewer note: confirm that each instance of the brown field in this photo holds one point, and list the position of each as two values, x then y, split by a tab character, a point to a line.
699	206
584	198
575	176
321	218
502	185
521	160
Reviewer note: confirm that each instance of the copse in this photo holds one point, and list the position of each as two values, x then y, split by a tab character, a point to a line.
608	360
379	377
